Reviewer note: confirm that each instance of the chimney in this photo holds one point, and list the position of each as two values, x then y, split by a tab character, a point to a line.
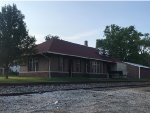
86	43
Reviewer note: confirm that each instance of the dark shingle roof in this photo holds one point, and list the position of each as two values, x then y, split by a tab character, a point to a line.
68	48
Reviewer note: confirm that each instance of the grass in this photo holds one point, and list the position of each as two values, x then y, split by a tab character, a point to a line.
18	79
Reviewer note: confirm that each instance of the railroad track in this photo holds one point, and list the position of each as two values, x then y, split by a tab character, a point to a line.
59	87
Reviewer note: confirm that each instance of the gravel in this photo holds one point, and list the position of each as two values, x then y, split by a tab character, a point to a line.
113	100
10	90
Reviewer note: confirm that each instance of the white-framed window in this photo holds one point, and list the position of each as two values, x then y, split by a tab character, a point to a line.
33	64
93	66
97	67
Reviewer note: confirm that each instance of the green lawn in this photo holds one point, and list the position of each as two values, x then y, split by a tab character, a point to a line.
17	79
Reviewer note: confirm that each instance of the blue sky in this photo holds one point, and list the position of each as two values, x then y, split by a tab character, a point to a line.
80	21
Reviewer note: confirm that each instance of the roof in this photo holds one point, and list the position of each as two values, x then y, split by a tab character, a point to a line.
71	49
137	65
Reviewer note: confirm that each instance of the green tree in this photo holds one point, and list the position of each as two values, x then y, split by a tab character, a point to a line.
145	44
14	38
122	42
100	43
145	50
48	37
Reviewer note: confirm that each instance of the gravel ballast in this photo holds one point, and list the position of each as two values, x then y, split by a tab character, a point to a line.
8	90
115	100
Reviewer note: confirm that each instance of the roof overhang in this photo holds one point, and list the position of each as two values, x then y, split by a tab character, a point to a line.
137	65
79	56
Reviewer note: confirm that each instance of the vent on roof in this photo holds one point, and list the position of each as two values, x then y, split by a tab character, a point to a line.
103	52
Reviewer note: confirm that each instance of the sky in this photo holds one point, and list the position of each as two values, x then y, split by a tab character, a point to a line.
79	21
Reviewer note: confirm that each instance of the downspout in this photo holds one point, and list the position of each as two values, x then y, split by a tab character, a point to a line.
139	72
49	65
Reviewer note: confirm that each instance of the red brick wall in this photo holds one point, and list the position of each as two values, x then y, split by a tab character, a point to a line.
145	72
132	71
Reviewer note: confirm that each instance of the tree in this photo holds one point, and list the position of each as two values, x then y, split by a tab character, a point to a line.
145	44
122	42
145	50
100	43
51	36
14	38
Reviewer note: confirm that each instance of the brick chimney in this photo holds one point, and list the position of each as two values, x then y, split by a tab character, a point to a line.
86	43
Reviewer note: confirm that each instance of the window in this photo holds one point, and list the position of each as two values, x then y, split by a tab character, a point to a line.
93	66
60	63
97	67
78	65
33	64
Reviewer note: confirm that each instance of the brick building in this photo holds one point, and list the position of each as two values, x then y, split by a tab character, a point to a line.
137	71
61	58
